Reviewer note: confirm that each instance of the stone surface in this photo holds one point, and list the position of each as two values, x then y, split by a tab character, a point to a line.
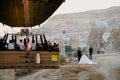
114	40
7	74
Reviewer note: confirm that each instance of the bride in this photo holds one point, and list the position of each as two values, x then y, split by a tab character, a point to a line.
84	59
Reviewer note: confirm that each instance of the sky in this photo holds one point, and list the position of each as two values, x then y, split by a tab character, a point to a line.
73	6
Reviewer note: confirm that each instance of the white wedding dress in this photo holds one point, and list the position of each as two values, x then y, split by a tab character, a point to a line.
85	60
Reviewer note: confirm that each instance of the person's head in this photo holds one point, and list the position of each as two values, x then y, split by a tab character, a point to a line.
20	40
83	52
48	41
10	41
78	48
54	44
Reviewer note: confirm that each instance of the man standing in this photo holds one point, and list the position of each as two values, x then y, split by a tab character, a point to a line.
79	53
90	52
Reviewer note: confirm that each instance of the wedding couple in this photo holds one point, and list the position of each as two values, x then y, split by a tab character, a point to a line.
82	57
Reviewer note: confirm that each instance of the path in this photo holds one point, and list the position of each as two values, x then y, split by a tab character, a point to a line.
106	63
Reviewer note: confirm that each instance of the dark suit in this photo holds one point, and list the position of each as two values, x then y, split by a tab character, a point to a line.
79	55
90	52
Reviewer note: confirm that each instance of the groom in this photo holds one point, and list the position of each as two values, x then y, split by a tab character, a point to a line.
90	52
79	53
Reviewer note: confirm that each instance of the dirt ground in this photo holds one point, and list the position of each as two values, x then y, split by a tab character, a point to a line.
103	70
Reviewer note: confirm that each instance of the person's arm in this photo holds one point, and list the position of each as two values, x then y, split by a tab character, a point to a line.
24	47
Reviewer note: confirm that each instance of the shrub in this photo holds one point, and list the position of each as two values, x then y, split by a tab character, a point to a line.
23	72
63	60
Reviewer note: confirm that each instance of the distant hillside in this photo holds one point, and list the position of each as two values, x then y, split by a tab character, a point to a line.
79	24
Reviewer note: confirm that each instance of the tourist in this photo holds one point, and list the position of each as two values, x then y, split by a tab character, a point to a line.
21	45
33	47
2	45
28	45
11	45
56	47
49	46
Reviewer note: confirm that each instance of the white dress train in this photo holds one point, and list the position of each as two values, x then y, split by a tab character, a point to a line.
85	60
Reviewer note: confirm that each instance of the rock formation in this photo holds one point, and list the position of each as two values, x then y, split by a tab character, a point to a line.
114	40
95	38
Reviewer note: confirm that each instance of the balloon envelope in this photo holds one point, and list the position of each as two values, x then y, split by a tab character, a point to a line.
101	25
27	13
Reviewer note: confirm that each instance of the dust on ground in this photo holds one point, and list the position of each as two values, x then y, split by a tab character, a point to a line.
103	70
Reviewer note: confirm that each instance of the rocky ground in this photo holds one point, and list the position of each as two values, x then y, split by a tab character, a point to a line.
105	69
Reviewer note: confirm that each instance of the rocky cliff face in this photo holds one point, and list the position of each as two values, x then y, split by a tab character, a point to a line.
79	24
94	39
114	40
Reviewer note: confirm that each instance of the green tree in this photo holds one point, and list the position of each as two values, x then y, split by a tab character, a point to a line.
68	48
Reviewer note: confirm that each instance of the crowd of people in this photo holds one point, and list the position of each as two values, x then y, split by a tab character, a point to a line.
26	44
22	45
53	47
